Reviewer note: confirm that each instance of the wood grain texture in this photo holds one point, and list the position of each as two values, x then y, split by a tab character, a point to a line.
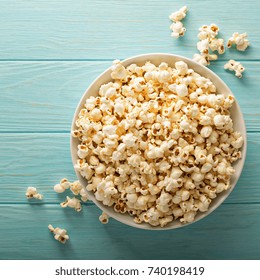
42	96
43	159
231	232
117	29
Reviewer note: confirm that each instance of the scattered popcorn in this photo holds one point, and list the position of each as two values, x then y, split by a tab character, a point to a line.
166	152
208	31
76	188
62	186
236	66
72	203
208	42
83	194
179	15
177	27
200	58
59	234
104	218
216	44
240	40
33	193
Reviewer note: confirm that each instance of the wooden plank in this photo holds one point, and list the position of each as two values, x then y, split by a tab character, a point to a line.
42	96
231	232
42	159
107	29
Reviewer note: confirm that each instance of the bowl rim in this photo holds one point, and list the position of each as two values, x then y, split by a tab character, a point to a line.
147	57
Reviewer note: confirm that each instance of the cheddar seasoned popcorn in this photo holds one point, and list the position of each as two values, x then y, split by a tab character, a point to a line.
157	142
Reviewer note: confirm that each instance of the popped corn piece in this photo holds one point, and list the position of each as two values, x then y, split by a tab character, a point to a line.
204	59
76	187
83	151
164	147
217	44
62	186
203	46
208	31
59	234
32	192
179	15
72	203
208	42
188	217
96	114
177	29
236	66
83	194
240	40
118	71
206	131
104	218
182	90
200	59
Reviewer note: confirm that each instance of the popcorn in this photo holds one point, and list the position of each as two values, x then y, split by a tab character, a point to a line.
103	218
179	15
208	31
236	66
118	71
164	144
33	193
83	194
63	185
240	40
206	131
72	203
216	44
200	59
177	27
59	234
208	42
203	46
75	187
182	90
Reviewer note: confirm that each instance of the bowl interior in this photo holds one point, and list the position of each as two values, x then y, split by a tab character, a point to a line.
236	114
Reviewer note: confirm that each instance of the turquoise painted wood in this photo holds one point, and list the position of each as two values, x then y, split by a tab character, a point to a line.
47	93
50	51
231	232
102	29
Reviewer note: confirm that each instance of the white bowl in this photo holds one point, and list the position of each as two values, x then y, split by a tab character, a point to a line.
236	114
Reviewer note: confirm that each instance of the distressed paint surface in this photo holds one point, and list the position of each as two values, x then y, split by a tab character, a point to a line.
50	51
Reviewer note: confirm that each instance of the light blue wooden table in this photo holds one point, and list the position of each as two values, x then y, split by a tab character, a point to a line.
50	51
